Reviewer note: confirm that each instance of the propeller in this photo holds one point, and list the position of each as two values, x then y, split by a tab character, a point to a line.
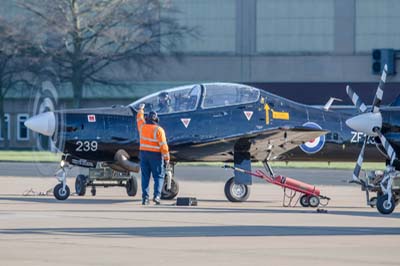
369	123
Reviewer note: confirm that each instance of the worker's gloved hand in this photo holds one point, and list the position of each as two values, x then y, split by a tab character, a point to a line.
167	165
141	106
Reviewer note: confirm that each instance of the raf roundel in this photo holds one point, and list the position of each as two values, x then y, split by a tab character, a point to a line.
315	145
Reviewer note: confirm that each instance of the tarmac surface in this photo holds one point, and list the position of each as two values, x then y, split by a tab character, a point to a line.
113	229
187	173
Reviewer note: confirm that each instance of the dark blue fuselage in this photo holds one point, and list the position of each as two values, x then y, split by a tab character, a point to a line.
209	134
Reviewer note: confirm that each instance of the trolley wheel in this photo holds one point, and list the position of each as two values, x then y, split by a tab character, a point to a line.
372	202
60	193
304	201
80	185
314	201
236	192
131	187
384	206
93	191
172	193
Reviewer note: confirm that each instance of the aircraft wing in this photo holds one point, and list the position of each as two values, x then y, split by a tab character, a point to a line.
273	143
268	144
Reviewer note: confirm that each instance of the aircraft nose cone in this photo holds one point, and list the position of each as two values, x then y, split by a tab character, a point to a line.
365	123
44	123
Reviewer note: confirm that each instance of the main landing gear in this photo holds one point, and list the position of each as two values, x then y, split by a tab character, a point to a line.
236	192
241	192
309	195
170	188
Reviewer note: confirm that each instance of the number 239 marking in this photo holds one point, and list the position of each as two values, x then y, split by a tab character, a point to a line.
86	146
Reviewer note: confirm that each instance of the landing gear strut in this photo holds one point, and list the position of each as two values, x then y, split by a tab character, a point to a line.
241	192
170	187
61	191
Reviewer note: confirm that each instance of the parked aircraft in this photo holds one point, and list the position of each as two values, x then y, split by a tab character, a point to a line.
222	122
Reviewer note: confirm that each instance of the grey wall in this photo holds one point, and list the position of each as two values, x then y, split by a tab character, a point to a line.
247	64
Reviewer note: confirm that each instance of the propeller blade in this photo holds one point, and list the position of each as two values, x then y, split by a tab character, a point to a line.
388	148
379	92
357	169
356	99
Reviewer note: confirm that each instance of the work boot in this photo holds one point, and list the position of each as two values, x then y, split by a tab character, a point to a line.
145	201
157	200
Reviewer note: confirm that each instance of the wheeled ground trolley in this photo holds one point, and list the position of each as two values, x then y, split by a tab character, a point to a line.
310	196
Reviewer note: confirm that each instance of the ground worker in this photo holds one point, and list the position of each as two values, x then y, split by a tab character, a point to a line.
154	153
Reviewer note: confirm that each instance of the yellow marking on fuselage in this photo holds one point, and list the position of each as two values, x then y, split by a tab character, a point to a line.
266	108
280	115
275	114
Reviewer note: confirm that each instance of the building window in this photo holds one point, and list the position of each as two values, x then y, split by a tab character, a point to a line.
292	26
7	123
23	132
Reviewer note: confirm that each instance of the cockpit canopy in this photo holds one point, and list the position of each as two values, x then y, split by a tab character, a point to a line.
187	98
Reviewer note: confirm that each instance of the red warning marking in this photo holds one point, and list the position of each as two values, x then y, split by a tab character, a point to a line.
248	114
91	118
185	121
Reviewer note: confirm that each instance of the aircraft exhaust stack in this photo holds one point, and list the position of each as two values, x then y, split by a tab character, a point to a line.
122	158
44	123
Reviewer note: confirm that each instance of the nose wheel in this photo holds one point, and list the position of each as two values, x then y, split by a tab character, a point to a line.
61	191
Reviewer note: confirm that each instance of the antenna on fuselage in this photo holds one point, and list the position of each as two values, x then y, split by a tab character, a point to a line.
328	104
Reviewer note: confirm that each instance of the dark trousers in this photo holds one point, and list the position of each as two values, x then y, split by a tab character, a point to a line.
152	163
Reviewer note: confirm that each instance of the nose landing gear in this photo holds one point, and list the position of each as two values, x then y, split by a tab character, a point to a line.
61	191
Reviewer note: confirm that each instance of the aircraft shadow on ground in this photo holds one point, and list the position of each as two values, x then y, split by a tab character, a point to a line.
209	231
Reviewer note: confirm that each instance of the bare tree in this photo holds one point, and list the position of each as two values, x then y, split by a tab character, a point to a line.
85	37
17	57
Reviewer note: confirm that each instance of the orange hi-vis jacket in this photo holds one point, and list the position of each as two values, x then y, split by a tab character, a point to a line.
152	137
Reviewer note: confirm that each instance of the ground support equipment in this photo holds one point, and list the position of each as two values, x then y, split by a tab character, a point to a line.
309	195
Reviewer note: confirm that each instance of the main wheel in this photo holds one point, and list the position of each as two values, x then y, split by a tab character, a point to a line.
170	194
236	192
304	201
131	187
80	185
60	193
314	201
385	206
